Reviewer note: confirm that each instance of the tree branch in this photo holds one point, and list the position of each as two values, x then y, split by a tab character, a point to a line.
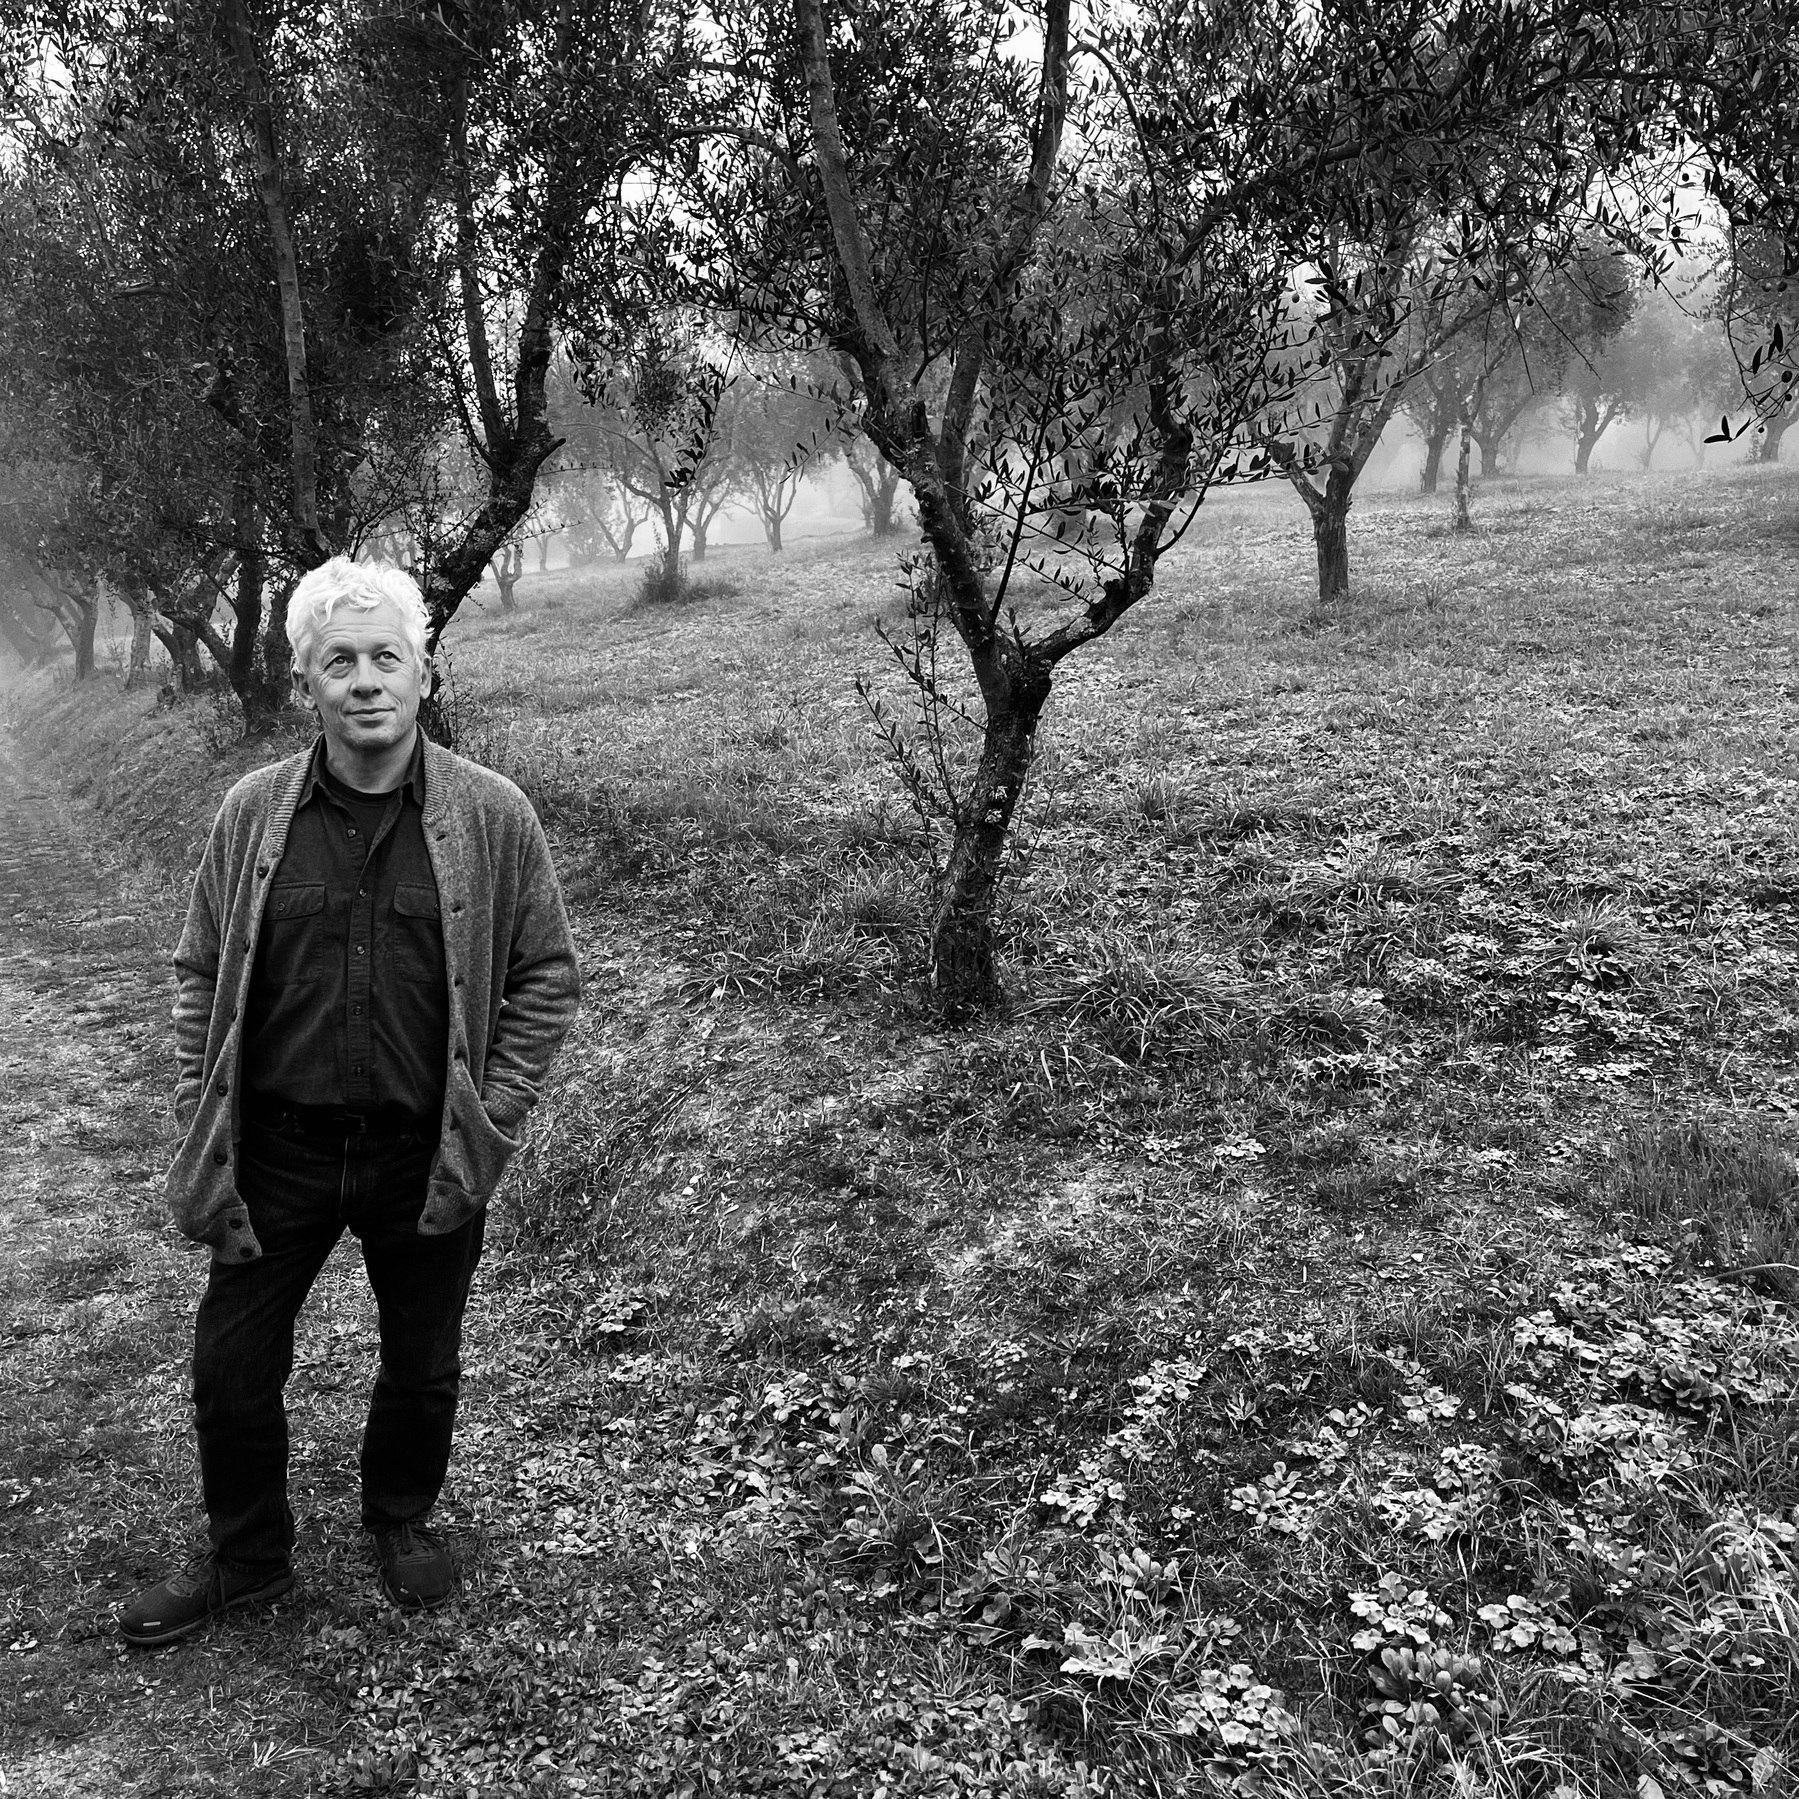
834	176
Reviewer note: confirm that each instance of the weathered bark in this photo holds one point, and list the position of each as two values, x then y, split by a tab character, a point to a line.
277	652
1463	456
303	452
771	527
964	969
85	616
543	553
674	521
246	634
507	566
1773	430
523	442
1330	537
183	645
142	621
1591	421
703	509
1354	432
1434	442
474	311
879	482
1490	446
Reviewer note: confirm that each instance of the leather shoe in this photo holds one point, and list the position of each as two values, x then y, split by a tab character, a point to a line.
177	1607
416	1571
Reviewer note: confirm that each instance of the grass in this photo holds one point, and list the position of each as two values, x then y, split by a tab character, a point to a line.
1334	1330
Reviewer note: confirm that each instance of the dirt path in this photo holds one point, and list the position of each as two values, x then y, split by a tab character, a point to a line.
97	1486
84	1004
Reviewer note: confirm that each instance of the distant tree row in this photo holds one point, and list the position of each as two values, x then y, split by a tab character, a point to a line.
1598	343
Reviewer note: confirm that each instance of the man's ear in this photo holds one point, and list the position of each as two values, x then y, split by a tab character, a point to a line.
302	687
427	679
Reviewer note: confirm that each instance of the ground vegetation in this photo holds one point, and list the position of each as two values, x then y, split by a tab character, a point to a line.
1334	1333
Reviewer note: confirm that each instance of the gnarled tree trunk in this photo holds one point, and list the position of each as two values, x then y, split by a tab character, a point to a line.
1463	457
277	652
1434	443
1329	507
186	674
85	608
964	970
142	620
246	607
508	564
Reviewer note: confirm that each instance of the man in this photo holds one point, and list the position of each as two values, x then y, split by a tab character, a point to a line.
374	976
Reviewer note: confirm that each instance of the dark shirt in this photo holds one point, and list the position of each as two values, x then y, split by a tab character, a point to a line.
348	1004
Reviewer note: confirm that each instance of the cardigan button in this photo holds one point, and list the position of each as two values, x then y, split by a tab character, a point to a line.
224	1088
219	1156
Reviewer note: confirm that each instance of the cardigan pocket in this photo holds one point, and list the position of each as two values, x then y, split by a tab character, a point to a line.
485	1148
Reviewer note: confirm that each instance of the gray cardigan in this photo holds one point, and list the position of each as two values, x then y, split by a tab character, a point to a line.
508	957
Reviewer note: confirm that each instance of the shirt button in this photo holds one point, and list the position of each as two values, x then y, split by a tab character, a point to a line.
359	949
355	1011
362	893
352	830
357	1069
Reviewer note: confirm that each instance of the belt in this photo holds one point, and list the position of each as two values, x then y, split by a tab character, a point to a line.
332	1122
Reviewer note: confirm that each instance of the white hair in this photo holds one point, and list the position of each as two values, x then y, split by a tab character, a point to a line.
362	586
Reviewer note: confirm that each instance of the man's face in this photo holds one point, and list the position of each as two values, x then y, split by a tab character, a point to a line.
364	679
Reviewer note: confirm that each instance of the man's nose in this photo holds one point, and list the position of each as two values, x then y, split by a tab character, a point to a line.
368	677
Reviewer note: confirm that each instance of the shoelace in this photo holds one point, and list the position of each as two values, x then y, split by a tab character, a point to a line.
192	1581
402	1540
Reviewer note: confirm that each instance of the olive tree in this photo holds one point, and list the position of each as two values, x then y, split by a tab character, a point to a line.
1065	302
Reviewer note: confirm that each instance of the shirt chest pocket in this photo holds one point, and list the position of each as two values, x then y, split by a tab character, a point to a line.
416	939
293	933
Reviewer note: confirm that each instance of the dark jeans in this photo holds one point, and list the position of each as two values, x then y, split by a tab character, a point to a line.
302	1190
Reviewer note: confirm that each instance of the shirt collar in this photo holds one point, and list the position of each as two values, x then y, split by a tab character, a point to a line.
413	786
